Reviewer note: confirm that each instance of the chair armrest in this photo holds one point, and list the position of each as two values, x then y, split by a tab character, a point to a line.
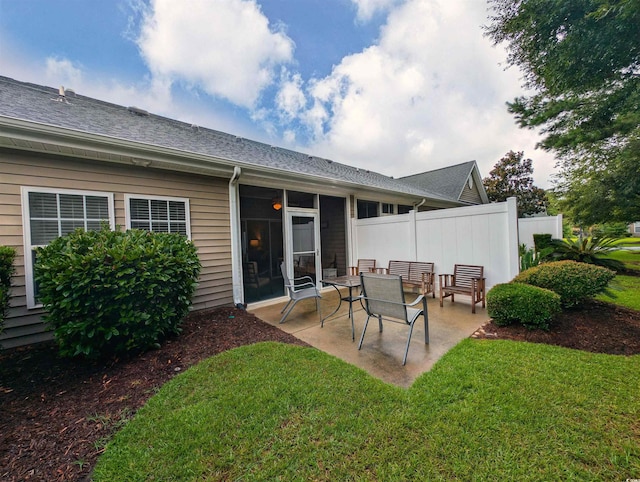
300	287
446	279
416	301
308	278
353	270
379	270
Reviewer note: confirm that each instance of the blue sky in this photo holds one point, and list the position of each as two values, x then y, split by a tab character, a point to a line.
395	86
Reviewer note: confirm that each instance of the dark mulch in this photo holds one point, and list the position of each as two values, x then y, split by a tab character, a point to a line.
597	327
56	415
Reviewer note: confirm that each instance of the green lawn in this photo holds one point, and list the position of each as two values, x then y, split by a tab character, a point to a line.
631	259
489	410
626	292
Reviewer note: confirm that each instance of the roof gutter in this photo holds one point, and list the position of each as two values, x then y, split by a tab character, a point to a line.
236	246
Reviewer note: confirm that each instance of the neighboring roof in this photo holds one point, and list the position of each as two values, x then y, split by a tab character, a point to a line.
449	181
77	116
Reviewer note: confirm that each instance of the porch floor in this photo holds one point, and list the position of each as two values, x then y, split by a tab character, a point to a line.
381	353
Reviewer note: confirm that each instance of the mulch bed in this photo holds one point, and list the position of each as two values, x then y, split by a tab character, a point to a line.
56	415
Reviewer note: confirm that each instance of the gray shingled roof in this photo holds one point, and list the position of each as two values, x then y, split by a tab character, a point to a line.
42	105
447	181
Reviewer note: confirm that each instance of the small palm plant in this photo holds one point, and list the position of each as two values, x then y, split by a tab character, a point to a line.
530	257
589	250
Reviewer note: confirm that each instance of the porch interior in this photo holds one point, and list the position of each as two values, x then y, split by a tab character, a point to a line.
381	353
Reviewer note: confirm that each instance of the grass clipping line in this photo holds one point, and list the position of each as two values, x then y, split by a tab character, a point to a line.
487	410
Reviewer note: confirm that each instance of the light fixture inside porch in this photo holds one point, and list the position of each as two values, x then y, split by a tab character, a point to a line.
276	203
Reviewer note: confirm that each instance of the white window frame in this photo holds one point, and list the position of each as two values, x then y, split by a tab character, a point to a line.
187	209
387	209
26	230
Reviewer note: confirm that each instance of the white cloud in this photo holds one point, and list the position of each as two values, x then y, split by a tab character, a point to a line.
225	46
63	71
368	8
290	99
431	93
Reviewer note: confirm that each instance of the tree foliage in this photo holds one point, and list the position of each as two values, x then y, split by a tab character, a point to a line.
511	177
582	59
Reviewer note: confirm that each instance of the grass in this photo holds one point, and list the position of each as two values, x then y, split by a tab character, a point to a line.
631	259
488	410
625	292
628	241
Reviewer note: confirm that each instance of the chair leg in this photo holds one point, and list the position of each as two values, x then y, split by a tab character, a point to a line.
285	306
426	328
380	323
406	351
288	311
363	330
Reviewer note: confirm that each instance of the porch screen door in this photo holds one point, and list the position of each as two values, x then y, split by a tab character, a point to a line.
303	243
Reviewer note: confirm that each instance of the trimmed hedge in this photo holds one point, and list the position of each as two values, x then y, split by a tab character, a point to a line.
109	292
529	305
574	282
7	256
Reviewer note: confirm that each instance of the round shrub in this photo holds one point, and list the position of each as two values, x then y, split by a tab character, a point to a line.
109	292
573	281
517	302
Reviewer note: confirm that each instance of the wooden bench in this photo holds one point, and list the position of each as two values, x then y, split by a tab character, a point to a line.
467	279
413	273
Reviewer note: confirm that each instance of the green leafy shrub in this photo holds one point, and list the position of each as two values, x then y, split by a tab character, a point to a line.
573	281
7	256
587	250
610	230
110	292
517	302
542	241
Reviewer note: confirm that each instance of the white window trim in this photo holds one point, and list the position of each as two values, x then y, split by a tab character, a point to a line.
26	230
187	208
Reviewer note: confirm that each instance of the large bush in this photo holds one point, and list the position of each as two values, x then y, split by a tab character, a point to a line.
573	281
516	302
109	292
7	255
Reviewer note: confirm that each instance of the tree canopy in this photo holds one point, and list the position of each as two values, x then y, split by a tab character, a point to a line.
510	177
581	58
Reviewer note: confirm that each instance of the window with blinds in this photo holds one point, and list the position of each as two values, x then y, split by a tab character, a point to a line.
163	215
49	214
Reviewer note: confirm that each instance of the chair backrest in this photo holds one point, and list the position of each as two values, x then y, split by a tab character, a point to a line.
400	268
383	295
464	273
366	265
285	276
417	268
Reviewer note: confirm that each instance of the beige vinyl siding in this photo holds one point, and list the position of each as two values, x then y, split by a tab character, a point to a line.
470	195
209	211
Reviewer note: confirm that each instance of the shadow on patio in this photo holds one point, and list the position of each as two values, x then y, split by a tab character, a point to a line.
381	353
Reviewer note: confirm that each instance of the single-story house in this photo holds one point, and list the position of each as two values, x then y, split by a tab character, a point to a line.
69	161
634	229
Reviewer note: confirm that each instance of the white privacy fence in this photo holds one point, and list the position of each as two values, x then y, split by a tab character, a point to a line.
527	227
484	235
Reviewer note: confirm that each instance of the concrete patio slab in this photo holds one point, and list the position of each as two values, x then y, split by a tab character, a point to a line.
381	353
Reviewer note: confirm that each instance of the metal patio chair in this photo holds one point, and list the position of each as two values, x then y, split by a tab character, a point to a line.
299	289
383	298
